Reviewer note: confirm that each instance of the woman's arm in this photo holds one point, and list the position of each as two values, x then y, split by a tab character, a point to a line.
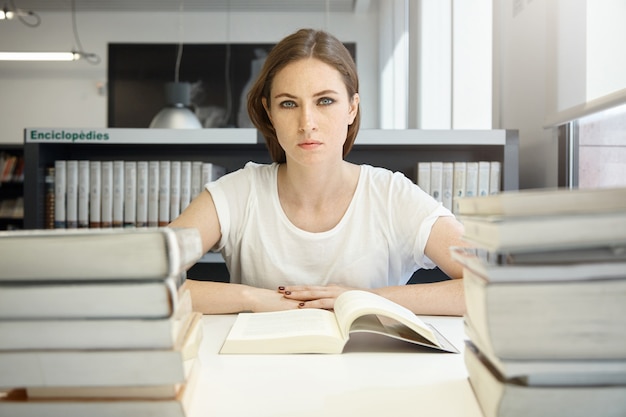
218	297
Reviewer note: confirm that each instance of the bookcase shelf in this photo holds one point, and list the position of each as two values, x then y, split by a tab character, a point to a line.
398	150
11	186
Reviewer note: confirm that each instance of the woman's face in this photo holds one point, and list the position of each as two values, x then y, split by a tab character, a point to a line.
311	111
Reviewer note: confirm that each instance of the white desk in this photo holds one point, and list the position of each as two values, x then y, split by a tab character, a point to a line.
389	379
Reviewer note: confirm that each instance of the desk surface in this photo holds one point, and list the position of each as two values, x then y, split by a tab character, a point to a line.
375	376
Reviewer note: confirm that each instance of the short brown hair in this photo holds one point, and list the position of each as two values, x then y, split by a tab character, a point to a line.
305	43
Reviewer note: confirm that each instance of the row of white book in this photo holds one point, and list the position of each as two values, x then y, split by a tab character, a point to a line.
91	193
97	322
545	285
449	181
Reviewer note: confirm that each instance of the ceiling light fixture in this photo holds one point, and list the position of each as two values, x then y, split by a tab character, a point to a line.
176	113
10	11
27	17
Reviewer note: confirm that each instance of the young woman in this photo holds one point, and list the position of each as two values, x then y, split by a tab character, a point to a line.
300	231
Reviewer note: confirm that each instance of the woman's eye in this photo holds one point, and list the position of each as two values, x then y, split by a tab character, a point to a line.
287	104
326	101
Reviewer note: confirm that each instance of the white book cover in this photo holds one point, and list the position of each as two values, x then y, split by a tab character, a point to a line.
83	194
471	179
436	180
107	194
165	169
175	174
423	176
118	193
95	193
447	184
483	178
185	184
71	201
153	193
196	178
494	177
130	193
60	187
142	194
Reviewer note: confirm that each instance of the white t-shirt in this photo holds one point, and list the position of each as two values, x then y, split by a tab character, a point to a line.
379	241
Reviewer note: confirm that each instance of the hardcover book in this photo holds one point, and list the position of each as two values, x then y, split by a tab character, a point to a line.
323	331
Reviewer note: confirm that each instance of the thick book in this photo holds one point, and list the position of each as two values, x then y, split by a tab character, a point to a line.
60	189
98	254
95	334
502	397
323	331
146	299
95	194
545	201
101	368
561	371
548	319
548	232
589	262
21	403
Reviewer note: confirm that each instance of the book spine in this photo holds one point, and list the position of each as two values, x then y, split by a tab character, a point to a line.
49	209
494	177
83	193
142	193
458	185
185	184
436	180
447	184
130	193
471	179
153	193
483	178
95	194
175	174
165	168
71	214
196	178
107	194
118	193
423	176
60	170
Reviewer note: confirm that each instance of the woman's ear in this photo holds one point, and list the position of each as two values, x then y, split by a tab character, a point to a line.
354	108
266	107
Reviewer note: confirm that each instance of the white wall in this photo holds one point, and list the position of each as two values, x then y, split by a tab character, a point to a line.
67	94
520	87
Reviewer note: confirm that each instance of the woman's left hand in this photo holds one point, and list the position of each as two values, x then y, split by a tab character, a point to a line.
311	296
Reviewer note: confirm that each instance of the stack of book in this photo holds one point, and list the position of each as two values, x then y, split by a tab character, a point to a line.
97	322
545	290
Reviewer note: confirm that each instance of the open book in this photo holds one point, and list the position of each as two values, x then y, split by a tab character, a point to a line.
323	331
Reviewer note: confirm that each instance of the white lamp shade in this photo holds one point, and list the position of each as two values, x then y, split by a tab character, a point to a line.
176	115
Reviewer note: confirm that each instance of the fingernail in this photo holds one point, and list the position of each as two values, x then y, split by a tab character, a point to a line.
281	288
300	305
287	292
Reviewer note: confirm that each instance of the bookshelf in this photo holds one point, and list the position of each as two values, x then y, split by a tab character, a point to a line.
398	150
11	186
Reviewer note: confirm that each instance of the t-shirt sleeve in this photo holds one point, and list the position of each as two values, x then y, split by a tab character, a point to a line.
415	213
230	194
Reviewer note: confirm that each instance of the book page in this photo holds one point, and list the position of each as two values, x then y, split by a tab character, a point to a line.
287	323
351	305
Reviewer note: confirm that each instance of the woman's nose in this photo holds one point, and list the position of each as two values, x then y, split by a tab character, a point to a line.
307	119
